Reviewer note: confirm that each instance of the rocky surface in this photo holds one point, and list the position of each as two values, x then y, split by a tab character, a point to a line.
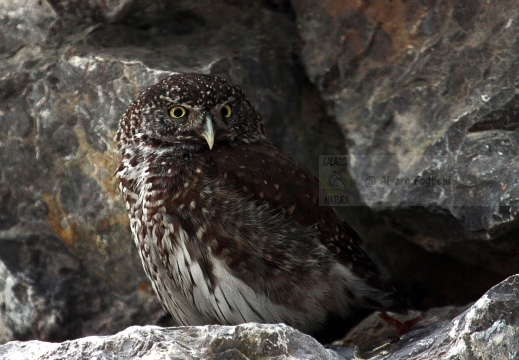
203	342
47	293
427	90
408	89
487	329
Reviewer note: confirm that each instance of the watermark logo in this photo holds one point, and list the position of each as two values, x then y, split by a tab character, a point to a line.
334	179
337	181
339	188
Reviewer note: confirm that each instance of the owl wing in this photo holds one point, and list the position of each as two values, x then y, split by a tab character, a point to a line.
271	177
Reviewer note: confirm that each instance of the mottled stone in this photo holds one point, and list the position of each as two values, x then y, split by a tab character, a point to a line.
46	293
24	22
426	90
486	329
203	342
28	22
374	334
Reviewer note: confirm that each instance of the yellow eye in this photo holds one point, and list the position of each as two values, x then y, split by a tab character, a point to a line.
227	110
177	112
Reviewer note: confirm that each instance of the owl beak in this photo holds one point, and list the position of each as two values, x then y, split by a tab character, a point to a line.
208	131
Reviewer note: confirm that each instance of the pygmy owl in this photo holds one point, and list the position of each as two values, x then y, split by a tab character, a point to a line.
228	226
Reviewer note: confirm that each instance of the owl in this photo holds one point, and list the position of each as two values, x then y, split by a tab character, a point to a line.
228	226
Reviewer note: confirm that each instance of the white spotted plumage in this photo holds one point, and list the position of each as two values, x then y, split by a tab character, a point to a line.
234	233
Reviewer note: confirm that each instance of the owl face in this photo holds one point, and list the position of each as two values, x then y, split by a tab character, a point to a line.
191	112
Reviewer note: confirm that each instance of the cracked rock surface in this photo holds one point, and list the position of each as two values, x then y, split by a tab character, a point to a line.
196	342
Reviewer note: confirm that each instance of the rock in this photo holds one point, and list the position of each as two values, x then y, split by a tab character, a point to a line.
47	293
376	330
198	342
58	186
391	104
26	22
487	329
426	93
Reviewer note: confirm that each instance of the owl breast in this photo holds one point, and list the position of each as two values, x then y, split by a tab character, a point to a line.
211	255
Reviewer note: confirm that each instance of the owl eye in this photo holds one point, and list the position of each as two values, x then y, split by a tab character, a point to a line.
226	111
177	112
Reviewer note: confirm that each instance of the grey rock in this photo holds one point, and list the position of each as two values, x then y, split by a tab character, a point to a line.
47	293
58	177
374	331
24	22
198	342
440	101
31	23
488	329
425	91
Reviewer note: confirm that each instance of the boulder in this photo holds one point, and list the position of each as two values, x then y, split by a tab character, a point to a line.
426	95
486	330
197	342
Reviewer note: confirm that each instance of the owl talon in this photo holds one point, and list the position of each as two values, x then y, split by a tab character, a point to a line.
400	327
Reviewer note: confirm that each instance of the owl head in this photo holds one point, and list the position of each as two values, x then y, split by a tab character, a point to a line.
190	112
